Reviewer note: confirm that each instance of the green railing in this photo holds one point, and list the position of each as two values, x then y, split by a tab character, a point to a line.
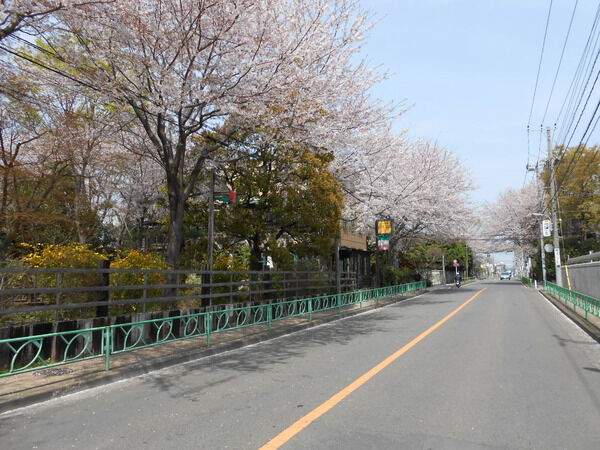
588	304
29	353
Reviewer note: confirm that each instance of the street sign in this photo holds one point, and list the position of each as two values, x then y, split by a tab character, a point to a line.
383	243
556	256
455	263
383	227
546	228
549	248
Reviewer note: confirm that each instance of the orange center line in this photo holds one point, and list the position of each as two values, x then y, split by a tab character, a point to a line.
309	418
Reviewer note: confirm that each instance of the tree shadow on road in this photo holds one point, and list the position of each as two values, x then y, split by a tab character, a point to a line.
279	351
272	352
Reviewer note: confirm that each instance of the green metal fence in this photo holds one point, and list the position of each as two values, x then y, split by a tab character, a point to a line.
29	353
588	304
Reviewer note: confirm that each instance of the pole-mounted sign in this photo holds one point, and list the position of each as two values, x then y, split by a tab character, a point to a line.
383	227
546	228
383	230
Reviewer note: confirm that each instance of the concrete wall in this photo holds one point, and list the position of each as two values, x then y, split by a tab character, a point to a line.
585	278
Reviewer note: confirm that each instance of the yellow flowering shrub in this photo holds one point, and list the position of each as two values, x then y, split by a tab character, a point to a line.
65	256
68	256
136	260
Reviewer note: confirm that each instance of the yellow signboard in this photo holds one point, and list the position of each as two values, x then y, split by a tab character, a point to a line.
384	227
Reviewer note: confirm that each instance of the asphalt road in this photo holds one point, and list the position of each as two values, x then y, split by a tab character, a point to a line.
505	371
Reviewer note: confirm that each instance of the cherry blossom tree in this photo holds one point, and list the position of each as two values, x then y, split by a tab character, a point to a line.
26	15
184	68
510	223
422	187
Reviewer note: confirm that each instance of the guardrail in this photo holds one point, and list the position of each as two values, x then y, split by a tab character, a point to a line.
30	353
588	304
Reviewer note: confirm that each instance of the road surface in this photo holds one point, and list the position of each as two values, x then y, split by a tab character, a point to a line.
490	365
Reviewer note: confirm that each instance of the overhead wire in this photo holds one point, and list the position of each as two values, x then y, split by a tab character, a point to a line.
537	79
578	152
575	90
575	95
562	54
575	104
571	92
574	128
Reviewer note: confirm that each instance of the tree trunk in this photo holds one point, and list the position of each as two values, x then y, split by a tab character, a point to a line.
256	254
5	243
175	237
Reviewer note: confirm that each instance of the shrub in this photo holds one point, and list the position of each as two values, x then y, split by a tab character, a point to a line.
67	256
394	275
138	260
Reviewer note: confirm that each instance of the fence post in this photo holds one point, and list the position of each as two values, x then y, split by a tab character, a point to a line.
145	292
107	346
269	315
310	309
207	326
103	294
58	285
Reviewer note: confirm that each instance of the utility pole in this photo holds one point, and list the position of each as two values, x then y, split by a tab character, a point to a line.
543	252
553	200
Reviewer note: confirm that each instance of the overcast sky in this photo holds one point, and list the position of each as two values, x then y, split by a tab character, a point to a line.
468	68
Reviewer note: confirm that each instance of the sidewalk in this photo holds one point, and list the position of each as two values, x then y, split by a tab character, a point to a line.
28	388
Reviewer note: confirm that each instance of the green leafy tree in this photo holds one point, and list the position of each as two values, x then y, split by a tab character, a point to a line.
578	185
578	188
458	251
288	202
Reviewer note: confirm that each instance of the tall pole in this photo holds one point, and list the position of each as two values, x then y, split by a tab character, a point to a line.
467	260
553	200
338	267
543	252
211	227
443	277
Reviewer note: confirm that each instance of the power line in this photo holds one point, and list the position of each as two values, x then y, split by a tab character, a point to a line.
582	145
571	95
537	78
586	100
560	61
